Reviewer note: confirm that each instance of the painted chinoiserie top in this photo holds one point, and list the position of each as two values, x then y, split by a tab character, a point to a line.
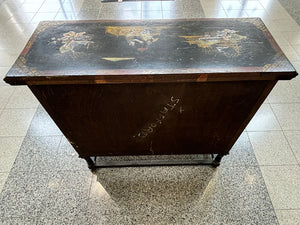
150	51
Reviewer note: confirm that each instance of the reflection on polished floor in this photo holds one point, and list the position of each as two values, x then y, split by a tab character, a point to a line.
42	181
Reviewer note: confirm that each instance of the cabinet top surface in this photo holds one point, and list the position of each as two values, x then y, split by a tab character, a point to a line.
63	50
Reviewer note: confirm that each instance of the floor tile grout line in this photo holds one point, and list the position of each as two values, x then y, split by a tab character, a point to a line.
12	165
91	184
8	99
285	136
53	135
5	108
284	103
263	6
286	165
21	217
20	145
252	147
288	209
272	130
47	171
5	171
269	130
224	10
266	188
291	148
37	11
298	102
282	165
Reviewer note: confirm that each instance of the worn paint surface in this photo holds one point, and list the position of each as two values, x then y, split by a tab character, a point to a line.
226	41
137	34
152	126
143	47
71	41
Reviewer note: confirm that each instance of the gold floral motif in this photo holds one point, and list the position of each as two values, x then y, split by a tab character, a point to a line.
266	67
223	40
72	40
134	35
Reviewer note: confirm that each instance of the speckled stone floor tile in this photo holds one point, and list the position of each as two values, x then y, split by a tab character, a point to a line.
35	152
241	153
47	153
293	138
54	221
49	184
283	92
128	14
90	5
9	148
88	15
179	195
22	194
22	98
64	205
5	94
283	184
290	217
3	178
3	71
44	194
56	187
292	7
15	122
272	148
42	124
263	120
288	115
18	221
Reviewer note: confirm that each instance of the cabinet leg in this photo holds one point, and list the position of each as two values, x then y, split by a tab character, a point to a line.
91	163
217	160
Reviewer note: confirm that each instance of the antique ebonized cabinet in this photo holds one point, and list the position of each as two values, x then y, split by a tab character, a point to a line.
158	87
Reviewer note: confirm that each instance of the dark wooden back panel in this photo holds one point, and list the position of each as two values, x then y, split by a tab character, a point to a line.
141	119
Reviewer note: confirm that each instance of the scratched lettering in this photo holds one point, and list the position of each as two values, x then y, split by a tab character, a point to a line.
162	115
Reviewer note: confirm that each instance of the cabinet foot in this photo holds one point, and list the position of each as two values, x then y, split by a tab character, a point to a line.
91	163
217	160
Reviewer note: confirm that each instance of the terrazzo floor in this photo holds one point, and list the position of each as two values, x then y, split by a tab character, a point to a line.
293	8
42	181
49	184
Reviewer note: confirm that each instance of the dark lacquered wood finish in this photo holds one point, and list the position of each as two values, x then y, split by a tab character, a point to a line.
168	118
151	87
150	51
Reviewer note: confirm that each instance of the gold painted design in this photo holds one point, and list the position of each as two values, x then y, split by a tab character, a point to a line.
115	59
23	69
136	35
266	67
224	41
256	22
71	41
